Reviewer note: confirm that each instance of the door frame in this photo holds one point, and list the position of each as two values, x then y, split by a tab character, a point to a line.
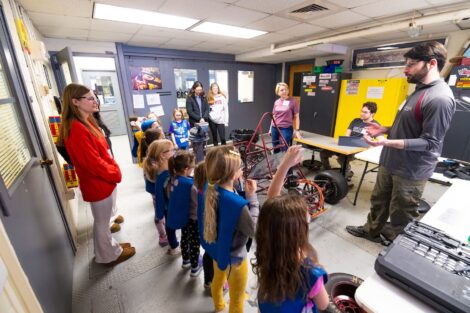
18	90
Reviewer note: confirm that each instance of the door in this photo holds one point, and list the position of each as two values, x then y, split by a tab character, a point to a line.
64	68
295	79
105	84
30	210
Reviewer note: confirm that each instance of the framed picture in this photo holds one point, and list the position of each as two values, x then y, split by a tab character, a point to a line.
390	55
145	78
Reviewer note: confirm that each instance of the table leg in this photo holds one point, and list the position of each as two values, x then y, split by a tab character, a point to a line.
344	165
360	182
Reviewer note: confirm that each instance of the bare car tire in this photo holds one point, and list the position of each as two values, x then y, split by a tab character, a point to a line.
341	288
334	185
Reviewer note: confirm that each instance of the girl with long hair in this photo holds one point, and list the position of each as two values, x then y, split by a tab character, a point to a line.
290	278
182	209
150	136
96	168
229	220
156	169
179	130
218	113
196	104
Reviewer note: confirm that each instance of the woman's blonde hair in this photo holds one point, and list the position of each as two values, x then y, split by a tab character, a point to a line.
211	96
180	161
153	160
279	85
200	175
222	163
70	112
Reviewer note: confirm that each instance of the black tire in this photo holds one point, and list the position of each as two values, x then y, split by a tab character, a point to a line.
334	185
341	288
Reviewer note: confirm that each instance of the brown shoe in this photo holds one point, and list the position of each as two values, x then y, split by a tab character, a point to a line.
126	254
125	245
115	228
119	219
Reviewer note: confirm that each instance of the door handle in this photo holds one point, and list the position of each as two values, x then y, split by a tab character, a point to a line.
46	162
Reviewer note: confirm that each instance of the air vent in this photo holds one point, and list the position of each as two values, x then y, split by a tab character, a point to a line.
309	9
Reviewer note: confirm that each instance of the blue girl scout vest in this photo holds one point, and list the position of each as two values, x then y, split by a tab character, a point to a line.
162	200
179	203
301	303
230	206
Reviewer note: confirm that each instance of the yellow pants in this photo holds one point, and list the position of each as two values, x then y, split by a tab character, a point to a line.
237	279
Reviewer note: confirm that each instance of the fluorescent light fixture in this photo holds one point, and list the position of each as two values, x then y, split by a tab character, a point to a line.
226	30
144	17
387	48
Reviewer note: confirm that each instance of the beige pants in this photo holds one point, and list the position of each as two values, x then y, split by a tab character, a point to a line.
106	248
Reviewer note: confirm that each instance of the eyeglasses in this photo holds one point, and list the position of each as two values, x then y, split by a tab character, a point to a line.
412	63
89	98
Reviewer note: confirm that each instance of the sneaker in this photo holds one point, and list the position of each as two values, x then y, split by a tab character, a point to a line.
125	245
207	286
163	241
175	251
126	254
196	271
186	264
358	231
115	228
119	219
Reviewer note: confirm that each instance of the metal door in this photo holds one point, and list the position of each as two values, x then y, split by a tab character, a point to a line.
30	210
105	84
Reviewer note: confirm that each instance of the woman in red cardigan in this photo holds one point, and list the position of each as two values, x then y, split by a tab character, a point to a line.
96	168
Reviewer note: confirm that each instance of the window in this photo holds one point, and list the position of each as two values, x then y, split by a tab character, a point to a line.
221	78
245	86
184	80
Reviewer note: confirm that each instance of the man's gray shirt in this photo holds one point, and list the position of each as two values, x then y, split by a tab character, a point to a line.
423	138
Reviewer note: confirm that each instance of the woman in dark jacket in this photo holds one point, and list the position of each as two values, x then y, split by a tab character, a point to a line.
196	104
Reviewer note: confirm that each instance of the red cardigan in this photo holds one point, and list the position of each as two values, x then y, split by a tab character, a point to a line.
97	171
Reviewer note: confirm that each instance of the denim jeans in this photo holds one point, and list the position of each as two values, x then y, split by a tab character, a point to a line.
286	133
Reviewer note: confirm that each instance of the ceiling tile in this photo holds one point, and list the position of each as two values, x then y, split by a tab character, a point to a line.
351	3
340	19
108	36
189	8
274	37
273	23
302	30
43	19
63	32
134	4
79	8
179	43
441	28
145	43
273	6
150	39
112	26
390	8
235	16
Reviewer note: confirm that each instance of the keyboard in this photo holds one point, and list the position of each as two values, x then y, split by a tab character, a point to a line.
429	264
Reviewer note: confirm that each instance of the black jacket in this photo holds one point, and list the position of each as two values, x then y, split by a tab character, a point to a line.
193	109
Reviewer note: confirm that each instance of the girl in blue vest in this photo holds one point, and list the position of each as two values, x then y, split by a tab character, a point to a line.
160	151
179	129
290	279
182	209
150	136
229	220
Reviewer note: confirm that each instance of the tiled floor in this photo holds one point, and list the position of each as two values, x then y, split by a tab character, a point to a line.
152	281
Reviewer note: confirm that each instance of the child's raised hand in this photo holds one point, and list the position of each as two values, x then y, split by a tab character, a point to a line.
293	156
250	187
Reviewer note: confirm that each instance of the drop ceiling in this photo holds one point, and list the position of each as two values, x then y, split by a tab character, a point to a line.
72	19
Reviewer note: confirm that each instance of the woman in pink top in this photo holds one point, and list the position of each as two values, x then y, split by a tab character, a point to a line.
286	116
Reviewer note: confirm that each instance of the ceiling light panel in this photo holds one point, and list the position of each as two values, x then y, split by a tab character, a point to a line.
120	14
227	30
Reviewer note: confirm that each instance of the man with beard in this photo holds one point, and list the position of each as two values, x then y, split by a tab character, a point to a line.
413	145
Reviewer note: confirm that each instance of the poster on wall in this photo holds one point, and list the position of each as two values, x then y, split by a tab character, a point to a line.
145	78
